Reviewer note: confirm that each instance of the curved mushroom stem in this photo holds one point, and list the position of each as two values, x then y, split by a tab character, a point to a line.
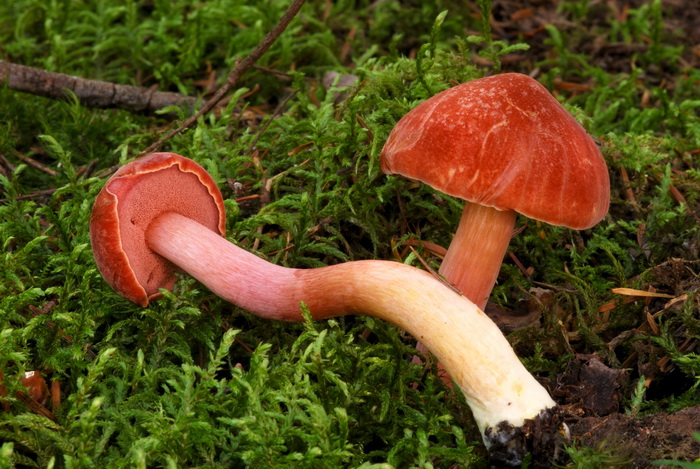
476	252
501	393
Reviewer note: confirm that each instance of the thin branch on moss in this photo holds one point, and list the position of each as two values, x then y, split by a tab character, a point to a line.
36	164
238	70
90	93
34	195
5	165
277	111
3	394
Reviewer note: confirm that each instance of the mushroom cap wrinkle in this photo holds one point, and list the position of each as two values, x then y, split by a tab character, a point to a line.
504	142
135	195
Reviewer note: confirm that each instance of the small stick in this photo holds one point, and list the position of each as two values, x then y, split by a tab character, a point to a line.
55	395
432	271
247	197
35	406
91	93
364	125
680	198
272	71
35	164
6	163
86	171
33	195
3	393
520	265
238	70
642	293
627	187
435	249
267	123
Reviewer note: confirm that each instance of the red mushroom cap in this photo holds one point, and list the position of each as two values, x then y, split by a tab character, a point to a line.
505	142
134	196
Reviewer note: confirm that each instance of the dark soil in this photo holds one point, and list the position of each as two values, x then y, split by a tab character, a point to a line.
641	440
514	19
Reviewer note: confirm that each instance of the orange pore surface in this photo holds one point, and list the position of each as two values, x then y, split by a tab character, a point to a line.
141	200
130	201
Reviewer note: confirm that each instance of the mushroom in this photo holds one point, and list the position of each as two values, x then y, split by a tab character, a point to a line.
164	212
505	145
135	195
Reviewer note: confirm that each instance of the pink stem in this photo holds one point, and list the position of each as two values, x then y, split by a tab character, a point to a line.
236	275
475	255
472	349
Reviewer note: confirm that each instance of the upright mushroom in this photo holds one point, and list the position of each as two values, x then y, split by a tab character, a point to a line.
505	145
142	230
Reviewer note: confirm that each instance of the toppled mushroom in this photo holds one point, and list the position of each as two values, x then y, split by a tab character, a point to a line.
505	145
135	195
164	212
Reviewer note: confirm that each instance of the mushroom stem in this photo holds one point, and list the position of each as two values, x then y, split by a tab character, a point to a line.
501	393
476	252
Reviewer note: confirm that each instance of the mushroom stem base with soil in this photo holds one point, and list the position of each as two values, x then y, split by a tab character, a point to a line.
506	400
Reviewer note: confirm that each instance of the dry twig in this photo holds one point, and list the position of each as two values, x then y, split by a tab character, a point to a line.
91	93
235	74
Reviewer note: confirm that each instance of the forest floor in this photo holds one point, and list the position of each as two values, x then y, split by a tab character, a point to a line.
607	318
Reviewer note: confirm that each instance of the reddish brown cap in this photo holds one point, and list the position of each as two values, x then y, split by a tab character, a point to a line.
135	195
505	142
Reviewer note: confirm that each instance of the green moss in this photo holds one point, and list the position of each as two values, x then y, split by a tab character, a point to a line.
193	381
